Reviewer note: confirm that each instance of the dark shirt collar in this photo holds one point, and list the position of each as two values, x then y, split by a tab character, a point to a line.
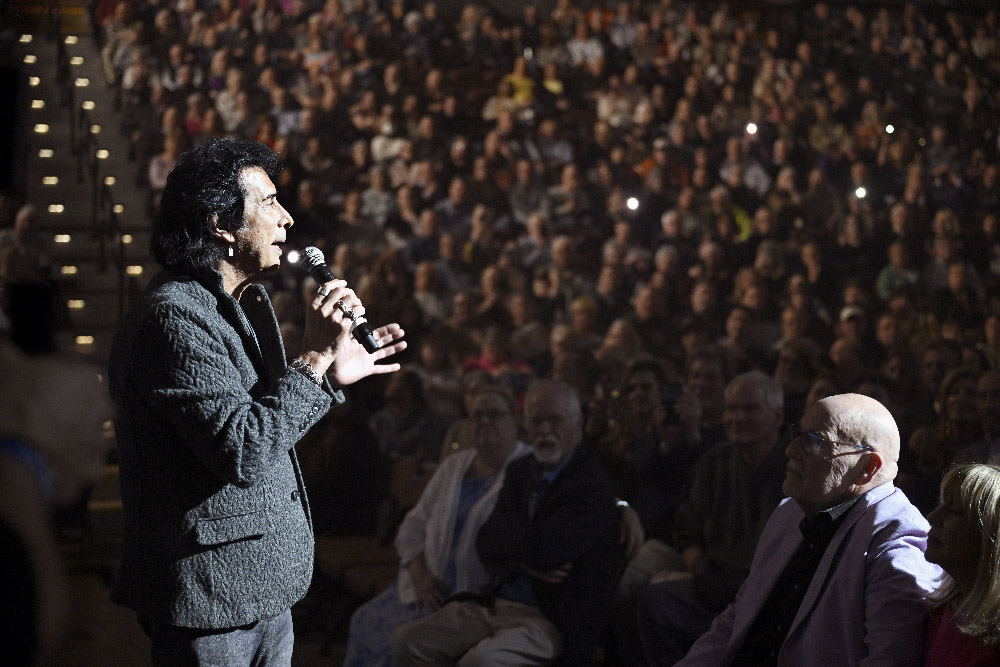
828	517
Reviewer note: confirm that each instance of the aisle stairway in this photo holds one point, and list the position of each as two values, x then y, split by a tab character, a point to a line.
93	218
90	211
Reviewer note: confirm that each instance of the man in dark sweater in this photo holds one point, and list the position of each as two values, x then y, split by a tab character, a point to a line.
731	492
549	545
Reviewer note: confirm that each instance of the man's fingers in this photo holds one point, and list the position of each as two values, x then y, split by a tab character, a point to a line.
389	350
388	333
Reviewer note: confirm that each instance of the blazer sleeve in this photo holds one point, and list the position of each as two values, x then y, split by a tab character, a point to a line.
711	647
186	373
896	587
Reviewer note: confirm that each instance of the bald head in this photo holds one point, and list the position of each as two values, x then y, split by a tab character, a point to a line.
848	445
859	419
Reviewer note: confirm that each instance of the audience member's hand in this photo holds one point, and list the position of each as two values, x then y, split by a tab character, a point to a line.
664	576
630	531
695	561
430	592
556	576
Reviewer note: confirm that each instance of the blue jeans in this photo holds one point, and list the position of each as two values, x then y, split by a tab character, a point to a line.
266	643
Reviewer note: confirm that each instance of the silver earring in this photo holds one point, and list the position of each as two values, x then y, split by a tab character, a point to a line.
230	251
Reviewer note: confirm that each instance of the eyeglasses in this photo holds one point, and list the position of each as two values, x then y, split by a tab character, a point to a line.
812	444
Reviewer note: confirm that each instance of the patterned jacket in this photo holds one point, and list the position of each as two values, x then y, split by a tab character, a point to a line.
217	526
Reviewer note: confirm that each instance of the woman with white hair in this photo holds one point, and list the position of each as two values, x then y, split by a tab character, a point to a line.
965	541
436	541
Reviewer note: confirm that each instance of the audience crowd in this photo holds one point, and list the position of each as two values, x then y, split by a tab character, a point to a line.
813	191
642	199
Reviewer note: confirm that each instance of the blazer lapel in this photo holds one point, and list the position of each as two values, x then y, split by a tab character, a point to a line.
832	554
759	587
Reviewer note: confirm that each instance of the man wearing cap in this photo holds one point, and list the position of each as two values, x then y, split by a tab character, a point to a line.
839	575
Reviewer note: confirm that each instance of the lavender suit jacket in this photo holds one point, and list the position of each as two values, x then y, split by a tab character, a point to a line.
865	604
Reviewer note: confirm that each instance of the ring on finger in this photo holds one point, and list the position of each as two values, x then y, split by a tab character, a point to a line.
348	313
323	292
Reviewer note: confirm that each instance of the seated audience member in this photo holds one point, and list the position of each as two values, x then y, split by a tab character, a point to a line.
497	358
730	493
549	545
937	359
412	423
839	576
796	369
965	530
697	418
933	448
986	450
647	471
436	540
440	376
462	432
52	447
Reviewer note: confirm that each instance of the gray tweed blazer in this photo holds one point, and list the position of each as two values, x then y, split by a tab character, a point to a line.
217	526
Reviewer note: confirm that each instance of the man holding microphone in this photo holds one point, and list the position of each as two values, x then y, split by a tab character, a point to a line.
218	536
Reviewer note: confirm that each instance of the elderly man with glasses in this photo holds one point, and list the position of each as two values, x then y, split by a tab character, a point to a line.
839	574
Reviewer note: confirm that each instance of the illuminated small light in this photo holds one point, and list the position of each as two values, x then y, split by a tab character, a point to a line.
41	128
76	60
26	39
37	104
126	238
33	81
82	82
134	270
84	340
293	256
50	180
118	208
860	193
95	129
56	208
632	203
30	59
62	238
921	141
70	39
75	304
102	154
88	105
889	129
69	270
45	152
751	128
109	180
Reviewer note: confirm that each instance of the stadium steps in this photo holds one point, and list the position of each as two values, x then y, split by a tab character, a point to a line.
94	281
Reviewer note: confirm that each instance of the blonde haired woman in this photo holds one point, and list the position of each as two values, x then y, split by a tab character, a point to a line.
965	541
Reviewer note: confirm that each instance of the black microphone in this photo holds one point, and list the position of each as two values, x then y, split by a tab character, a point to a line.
313	261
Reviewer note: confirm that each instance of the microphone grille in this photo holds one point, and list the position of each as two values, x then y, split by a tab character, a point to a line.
311	257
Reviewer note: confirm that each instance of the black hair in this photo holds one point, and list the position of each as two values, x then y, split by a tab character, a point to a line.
205	182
